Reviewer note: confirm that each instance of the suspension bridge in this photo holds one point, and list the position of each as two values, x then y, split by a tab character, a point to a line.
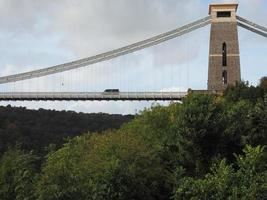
224	64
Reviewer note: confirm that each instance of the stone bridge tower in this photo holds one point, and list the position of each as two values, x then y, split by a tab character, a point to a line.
224	60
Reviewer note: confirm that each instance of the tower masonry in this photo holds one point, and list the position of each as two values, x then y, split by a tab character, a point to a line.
224	60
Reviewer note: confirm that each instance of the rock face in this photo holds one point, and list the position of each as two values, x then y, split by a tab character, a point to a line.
224	60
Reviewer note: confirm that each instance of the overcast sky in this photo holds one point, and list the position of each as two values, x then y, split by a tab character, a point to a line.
36	34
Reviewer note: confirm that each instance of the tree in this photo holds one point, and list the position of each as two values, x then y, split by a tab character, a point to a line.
199	127
248	181
109	166
243	91
37	129
17	175
263	83
257	122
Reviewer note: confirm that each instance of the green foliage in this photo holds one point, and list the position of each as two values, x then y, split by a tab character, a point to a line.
17	175
248	181
244	91
257	124
37	129
63	175
263	83
201	129
185	134
109	166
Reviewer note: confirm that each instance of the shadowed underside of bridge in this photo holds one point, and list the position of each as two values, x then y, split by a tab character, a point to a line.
154	96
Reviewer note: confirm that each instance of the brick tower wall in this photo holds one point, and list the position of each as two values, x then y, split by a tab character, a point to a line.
223	32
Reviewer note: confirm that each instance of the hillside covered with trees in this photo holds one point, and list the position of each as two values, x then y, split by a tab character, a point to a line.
208	147
37	129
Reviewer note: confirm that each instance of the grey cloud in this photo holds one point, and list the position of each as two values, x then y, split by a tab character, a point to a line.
97	25
23	15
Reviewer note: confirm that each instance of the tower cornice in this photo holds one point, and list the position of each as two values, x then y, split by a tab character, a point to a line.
223	6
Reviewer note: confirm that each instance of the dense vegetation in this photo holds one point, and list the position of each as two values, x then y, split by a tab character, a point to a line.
37	129
208	147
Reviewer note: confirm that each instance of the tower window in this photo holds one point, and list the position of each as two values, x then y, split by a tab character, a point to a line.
224	55
223	14
224	77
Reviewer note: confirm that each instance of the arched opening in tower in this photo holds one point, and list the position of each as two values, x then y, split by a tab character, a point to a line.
224	55
224	77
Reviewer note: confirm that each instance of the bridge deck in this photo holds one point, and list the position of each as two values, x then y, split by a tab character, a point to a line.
91	96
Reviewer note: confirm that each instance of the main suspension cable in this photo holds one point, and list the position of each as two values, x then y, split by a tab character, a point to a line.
252	29
262	28
110	54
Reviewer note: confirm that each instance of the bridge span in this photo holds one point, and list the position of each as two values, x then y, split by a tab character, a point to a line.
92	96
